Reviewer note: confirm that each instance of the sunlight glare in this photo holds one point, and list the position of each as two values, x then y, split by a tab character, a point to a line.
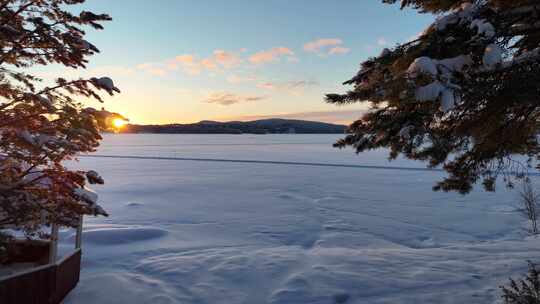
119	123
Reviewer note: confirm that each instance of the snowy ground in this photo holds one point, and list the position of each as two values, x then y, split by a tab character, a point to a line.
213	231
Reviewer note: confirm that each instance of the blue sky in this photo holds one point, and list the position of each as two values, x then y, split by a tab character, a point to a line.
185	61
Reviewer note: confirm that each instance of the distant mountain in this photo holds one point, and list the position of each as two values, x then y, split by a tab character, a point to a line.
265	126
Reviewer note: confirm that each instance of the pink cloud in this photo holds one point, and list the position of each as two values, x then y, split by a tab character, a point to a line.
153	69
226	59
188	62
240	79
219	60
338	50
326	46
317	45
295	87
288	84
185	59
226	99
266	85
192	64
270	55
209	64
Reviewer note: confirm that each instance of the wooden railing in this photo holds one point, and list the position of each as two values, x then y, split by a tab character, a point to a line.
48	284
67	275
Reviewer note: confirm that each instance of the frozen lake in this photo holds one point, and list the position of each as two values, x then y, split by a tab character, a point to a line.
288	219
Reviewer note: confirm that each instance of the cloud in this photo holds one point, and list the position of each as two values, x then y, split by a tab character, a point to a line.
326	46
153	68
225	59
226	99
185	59
209	64
220	59
254	98
338	50
271	55
266	85
317	45
294	86
192	64
240	79
302	83
188	62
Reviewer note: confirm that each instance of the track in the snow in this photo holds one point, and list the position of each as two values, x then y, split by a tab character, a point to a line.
270	162
265	162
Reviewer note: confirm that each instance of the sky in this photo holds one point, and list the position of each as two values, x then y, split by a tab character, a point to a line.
182	61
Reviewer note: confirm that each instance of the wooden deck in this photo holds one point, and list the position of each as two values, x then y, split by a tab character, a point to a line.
48	284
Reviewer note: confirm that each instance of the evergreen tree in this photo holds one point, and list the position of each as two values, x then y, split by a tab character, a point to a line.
464	95
42	125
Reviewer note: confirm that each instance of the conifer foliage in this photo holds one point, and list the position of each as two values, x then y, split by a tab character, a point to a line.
43	124
523	291
464	95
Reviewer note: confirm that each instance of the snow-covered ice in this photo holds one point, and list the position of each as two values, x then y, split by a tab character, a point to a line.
185	231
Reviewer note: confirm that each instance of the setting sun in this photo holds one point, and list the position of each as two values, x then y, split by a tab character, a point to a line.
119	123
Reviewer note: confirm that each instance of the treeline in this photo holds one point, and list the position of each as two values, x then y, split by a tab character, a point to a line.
267	126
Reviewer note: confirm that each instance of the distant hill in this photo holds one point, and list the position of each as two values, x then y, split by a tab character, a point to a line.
265	126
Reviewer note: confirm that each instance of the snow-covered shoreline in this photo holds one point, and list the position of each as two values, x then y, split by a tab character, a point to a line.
198	232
